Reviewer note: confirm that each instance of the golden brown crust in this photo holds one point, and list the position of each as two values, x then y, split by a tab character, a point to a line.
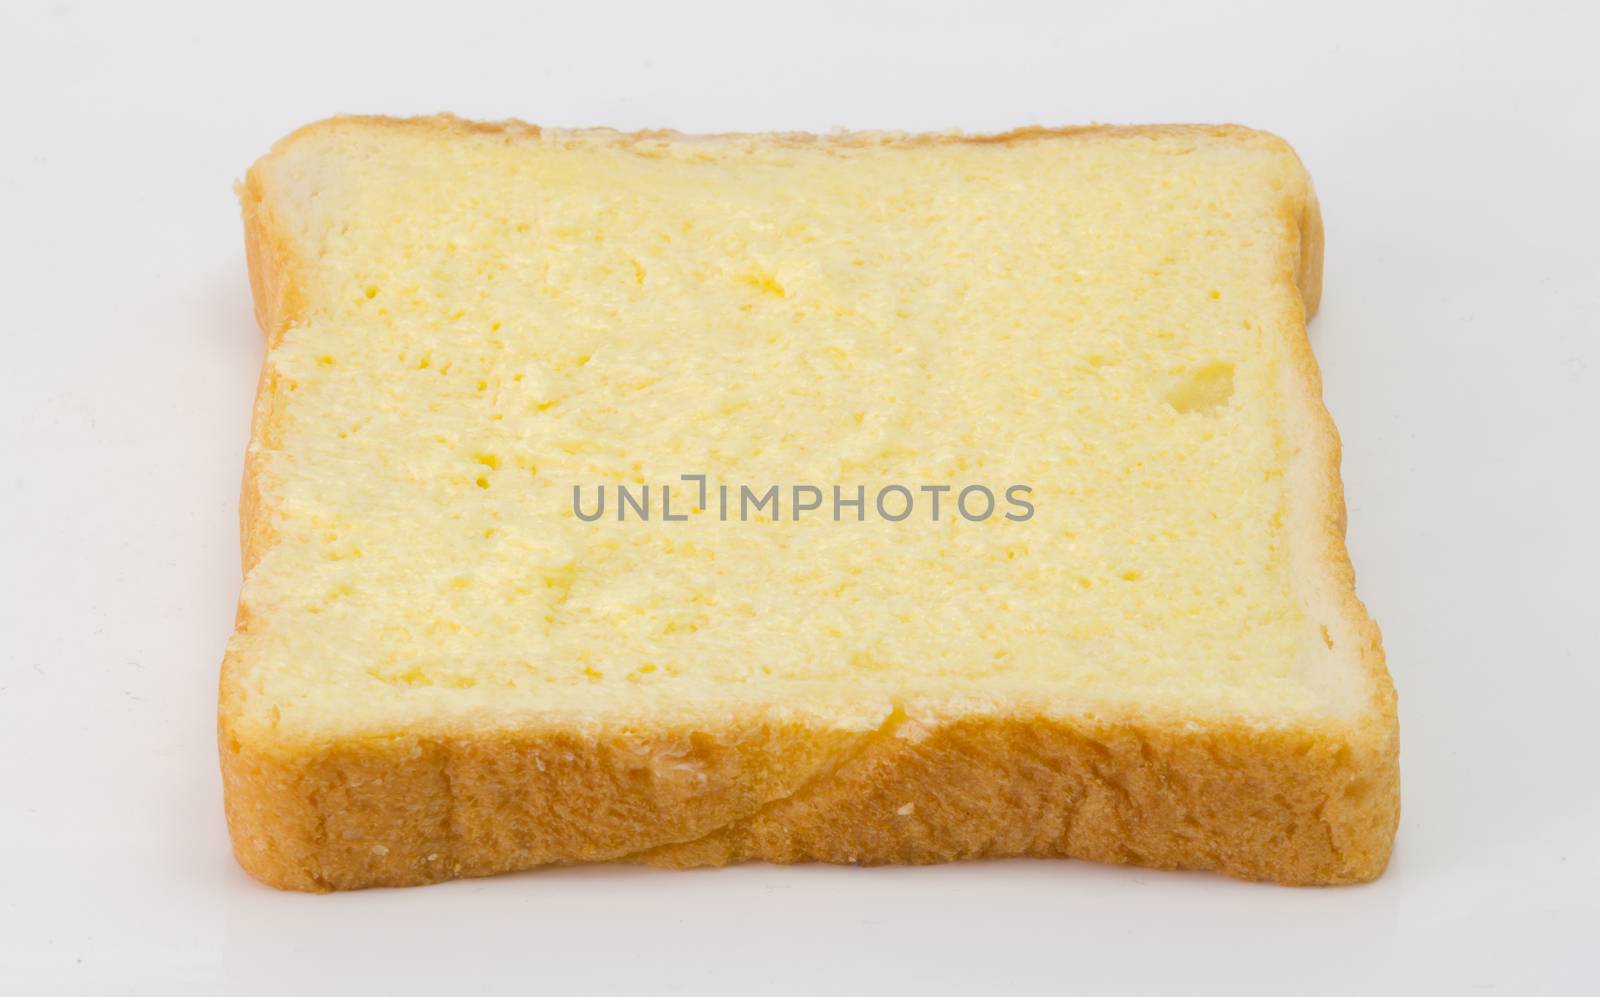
1303	806
1296	807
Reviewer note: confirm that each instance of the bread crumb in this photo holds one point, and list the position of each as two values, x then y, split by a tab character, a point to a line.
907	809
912	731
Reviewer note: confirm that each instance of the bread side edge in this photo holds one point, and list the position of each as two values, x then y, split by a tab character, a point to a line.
1297	807
1375	732
260	805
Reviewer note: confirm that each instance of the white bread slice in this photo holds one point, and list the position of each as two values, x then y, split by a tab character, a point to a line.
439	670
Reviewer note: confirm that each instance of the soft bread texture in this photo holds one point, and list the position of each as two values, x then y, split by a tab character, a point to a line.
440	671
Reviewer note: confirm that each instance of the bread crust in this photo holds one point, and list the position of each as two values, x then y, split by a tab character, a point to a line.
1315	805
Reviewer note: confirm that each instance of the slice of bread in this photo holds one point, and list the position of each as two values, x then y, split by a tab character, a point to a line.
1145	647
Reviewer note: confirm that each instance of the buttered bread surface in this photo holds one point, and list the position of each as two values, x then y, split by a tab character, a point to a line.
490	322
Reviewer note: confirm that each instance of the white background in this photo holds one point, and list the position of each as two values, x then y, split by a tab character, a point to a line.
1455	147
